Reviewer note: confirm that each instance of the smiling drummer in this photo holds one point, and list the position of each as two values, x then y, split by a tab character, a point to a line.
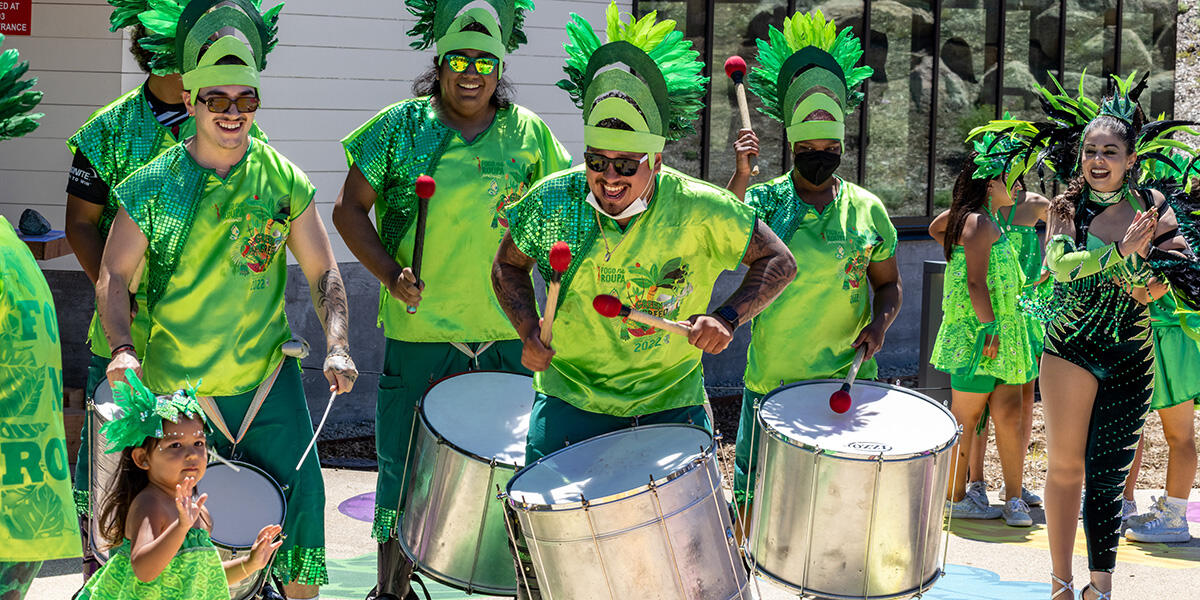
211	217
485	152
648	234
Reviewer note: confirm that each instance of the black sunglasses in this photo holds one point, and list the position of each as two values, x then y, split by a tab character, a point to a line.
625	167
221	104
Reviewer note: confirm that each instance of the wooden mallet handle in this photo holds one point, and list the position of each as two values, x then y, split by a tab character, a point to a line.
735	68
560	261
425	189
612	307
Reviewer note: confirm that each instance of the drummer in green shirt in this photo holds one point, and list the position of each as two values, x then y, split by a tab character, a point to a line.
485	152
211	218
38	521
838	231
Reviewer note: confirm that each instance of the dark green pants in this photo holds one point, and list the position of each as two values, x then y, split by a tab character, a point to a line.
745	454
97	366
555	423
15	578
274	443
409	368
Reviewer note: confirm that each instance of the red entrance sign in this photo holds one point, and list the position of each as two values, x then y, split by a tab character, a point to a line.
15	16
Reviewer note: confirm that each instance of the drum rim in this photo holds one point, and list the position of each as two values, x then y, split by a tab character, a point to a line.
705	456
245	465
758	571
782	437
441	440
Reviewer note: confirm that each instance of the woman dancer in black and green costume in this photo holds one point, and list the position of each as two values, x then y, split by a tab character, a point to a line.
1098	359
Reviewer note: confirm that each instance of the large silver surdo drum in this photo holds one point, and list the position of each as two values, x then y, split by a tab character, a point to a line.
469	442
850	505
636	513
102	467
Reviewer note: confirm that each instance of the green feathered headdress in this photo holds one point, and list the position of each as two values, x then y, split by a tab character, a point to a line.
441	23
143	412
659	100
179	30
125	13
16	99
809	66
994	153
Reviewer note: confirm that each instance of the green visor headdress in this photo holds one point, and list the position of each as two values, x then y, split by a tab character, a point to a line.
809	66
441	23
658	98
143	412
16	99
180	32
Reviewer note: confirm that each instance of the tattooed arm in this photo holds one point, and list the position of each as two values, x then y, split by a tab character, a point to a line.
514	290
310	245
772	268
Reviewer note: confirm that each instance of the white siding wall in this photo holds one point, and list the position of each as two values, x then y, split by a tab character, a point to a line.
337	64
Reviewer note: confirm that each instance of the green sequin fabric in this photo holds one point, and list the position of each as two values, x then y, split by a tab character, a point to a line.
776	205
194	573
402	142
555	210
955	349
1029	255
301	565
82	501
162	198
384	524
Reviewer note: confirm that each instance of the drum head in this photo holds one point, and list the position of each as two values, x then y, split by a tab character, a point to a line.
883	419
610	464
241	503
484	413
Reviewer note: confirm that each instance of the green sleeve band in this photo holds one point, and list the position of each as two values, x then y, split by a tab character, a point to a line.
1069	264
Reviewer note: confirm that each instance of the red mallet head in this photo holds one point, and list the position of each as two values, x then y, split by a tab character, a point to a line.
425	186
839	402
606	305
735	68
560	257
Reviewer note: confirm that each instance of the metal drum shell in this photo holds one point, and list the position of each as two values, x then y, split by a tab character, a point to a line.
452	525
102	467
834	524
576	545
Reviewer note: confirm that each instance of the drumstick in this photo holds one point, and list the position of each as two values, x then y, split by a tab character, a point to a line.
611	307
735	68
317	433
560	260
425	188
839	401
221	459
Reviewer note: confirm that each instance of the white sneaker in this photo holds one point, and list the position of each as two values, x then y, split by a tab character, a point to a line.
1029	497
1157	506
1170	527
977	491
1128	509
968	508
1016	513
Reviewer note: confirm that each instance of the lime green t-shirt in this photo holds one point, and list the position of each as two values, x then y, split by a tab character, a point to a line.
665	263
807	331
37	515
118	140
216	269
475	181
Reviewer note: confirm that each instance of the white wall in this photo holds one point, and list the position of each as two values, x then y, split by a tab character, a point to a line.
336	65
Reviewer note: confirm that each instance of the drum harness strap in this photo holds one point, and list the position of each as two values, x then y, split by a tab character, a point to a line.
473	355
214	412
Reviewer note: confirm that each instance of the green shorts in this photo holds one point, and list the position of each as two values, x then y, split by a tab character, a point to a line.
15	578
554	423
974	384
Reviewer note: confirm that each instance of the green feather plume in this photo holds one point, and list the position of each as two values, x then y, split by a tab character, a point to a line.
125	13
143	412
16	97
665	45
800	31
161	19
426	10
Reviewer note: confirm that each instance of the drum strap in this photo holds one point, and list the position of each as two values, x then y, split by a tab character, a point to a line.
214	412
473	355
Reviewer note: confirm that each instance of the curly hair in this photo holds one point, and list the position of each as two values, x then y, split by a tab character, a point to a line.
140	54
970	196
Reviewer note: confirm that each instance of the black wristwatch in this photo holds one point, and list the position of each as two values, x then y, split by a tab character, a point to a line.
729	314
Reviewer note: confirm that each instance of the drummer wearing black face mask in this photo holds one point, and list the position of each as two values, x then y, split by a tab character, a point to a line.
840	234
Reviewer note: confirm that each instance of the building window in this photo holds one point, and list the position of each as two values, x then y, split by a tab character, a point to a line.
905	142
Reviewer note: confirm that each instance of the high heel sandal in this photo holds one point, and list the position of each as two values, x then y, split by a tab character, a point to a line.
1099	594
1068	586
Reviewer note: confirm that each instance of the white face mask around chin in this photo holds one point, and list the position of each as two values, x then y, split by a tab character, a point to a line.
638	206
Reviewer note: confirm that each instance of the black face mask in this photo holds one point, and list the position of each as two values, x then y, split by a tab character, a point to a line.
817	166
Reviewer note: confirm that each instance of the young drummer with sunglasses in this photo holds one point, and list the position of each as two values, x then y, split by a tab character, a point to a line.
645	233
485	152
210	218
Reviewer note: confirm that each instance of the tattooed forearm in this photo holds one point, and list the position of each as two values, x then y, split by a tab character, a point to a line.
772	268
514	287
329	298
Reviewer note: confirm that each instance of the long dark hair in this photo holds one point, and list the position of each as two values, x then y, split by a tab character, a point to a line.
970	196
1063	205
128	482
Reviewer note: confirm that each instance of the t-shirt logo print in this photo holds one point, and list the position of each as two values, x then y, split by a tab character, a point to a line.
514	186
262	235
856	251
656	290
